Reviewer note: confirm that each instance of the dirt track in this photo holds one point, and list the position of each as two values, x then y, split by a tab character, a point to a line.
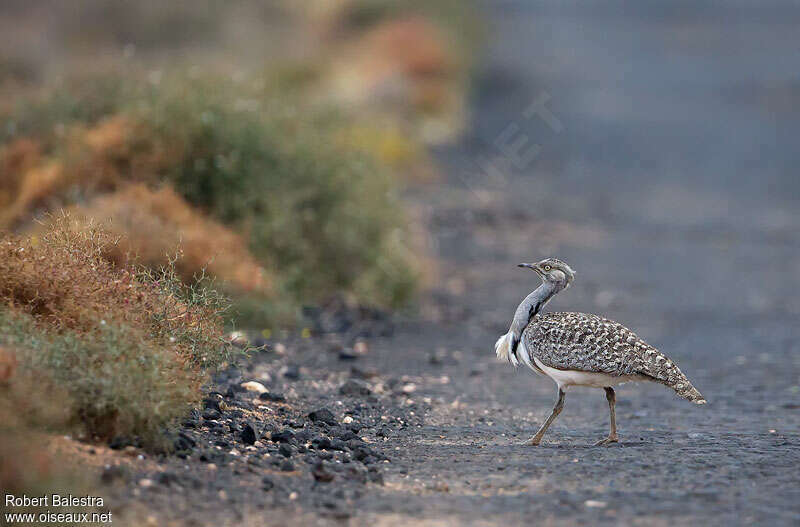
669	183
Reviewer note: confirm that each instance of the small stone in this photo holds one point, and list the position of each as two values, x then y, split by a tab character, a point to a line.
355	388
347	420
118	443
595	504
145	483
287	466
267	484
253	386
321	443
285	450
292	372
284	436
323	415
360	347
211	415
248	435
321	474
409	388
272	396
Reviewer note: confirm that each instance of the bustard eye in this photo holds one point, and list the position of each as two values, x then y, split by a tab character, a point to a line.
547	267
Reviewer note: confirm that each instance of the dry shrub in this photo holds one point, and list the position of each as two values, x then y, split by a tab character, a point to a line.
90	159
129	346
151	224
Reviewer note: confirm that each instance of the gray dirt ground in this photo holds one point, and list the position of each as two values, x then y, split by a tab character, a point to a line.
671	187
669	182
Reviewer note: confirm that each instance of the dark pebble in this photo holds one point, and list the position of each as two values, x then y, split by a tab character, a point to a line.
354	388
184	442
285	450
284	436
269	396
212	402
323	415
321	443
321	474
292	372
338	444
118	443
211	415
347	354
267	483
287	466
248	435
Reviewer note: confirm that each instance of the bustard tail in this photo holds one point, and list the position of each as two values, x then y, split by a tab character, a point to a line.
503	349
689	392
667	372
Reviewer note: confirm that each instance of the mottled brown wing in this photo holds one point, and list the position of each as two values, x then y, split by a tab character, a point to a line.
585	342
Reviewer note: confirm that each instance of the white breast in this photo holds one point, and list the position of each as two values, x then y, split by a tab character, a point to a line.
566	378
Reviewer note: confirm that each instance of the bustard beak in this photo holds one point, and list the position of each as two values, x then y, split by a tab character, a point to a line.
531	266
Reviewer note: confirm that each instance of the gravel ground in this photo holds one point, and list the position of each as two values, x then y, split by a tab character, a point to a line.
667	180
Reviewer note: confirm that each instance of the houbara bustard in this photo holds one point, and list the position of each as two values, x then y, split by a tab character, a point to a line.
579	349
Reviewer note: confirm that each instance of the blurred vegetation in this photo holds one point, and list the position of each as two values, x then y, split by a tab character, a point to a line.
129	347
320	214
269	162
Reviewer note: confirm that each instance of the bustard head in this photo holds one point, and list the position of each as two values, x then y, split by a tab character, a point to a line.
553	271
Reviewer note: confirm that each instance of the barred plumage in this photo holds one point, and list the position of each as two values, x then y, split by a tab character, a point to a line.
589	343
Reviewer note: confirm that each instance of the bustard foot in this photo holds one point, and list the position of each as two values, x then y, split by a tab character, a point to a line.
607	441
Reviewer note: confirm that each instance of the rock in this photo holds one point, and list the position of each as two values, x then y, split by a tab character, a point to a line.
321	474
321	443
285	450
360	373
595	504
274	397
211	415
248	435
355	388
287	466
347	420
360	347
360	453
184	442
323	415
292	372
119	443
267	484
254	386
212	402
284	436
338	444
296	423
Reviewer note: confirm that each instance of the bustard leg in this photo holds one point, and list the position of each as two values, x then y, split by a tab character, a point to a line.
537	438
612	435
